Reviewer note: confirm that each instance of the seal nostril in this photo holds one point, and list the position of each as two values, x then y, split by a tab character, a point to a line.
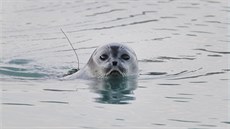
114	63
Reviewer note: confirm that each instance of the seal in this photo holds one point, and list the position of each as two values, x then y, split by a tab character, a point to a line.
109	61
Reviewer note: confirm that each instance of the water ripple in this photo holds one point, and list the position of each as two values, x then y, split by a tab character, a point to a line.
12	71
58	90
57	102
174	58
196	76
18	104
105	12
201	49
168	84
116	26
19	61
226	122
187	121
178	98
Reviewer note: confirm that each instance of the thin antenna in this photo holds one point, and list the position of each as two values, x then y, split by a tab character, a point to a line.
72	48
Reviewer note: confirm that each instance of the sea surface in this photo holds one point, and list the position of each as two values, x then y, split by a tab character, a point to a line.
182	48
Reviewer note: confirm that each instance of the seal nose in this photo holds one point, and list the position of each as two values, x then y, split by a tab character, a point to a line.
114	63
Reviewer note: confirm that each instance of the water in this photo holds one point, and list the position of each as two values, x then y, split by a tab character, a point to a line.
182	50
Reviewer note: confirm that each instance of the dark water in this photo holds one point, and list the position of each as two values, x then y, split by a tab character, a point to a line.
182	49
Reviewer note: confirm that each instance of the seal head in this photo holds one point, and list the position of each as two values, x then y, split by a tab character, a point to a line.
113	60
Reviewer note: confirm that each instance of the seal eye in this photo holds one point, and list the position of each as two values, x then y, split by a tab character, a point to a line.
104	57
125	57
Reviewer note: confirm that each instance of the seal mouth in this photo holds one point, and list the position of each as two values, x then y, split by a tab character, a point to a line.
115	73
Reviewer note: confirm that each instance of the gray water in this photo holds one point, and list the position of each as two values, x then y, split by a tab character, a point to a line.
182	51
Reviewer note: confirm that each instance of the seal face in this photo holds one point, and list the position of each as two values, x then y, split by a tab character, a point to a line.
111	60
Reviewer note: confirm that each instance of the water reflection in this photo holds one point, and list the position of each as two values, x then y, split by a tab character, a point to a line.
114	90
